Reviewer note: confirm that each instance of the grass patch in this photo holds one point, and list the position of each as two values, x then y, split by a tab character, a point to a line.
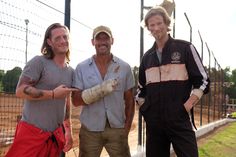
223	144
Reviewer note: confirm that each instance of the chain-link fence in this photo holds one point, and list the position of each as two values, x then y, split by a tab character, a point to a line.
22	26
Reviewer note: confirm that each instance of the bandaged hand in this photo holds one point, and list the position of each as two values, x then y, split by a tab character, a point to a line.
97	92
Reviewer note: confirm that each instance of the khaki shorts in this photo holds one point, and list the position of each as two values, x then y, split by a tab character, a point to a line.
114	140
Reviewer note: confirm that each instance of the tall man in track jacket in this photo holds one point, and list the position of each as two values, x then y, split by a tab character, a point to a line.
172	79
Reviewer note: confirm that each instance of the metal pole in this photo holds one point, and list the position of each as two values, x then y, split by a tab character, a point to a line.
174	17
215	84
26	39
209	71
141	55
201	44
219	93
223	92
67	23
189	26
67	13
201	102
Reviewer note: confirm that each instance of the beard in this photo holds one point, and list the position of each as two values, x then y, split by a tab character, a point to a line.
158	36
103	50
61	50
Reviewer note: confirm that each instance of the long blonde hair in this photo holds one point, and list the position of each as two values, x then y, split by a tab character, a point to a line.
46	49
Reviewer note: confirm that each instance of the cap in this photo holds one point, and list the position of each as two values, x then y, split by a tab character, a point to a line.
101	29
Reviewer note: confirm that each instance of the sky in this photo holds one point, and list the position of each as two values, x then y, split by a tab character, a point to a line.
215	20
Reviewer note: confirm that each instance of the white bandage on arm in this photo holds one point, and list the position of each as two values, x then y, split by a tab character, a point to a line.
197	92
97	92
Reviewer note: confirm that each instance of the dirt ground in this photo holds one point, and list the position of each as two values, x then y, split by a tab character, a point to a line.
10	113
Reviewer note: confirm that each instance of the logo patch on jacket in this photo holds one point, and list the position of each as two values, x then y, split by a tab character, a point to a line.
175	57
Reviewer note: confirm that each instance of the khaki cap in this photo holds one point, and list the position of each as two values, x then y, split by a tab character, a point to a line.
101	29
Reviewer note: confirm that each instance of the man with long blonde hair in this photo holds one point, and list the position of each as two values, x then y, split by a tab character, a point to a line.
45	85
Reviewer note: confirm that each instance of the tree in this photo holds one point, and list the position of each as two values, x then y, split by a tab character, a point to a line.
230	80
227	74
1	76
10	79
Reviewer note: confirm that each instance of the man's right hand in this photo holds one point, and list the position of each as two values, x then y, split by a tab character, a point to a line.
139	100
62	91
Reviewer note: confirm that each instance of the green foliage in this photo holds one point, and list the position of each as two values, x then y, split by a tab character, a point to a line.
231	91
230	76
233	115
10	79
1	76
227	74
